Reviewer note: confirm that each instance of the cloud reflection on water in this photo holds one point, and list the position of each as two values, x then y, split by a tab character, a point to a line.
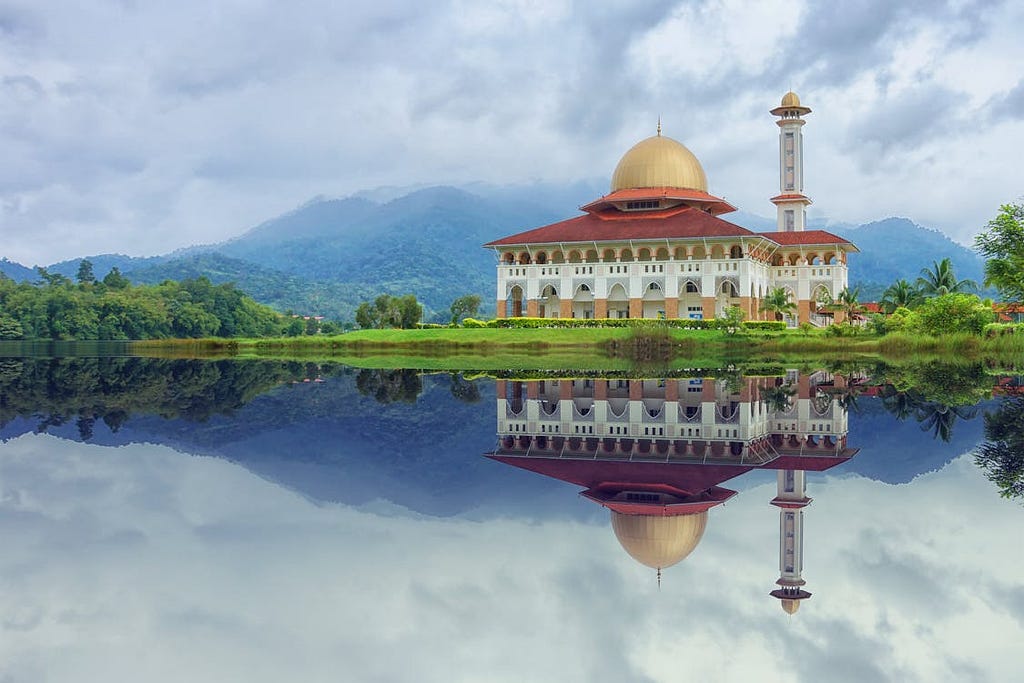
144	563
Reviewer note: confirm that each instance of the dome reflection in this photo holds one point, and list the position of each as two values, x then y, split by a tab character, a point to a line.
654	452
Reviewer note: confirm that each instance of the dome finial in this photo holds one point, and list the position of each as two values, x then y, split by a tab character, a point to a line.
659	125
659	578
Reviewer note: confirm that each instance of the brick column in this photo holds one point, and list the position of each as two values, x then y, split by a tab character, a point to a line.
600	390
636	308
636	390
672	307
532	308
803	311
502	308
672	390
745	307
565	308
707	303
600	308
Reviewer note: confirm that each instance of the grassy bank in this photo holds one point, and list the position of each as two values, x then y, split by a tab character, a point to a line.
588	348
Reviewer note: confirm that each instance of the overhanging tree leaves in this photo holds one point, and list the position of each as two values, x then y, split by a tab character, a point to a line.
1002	245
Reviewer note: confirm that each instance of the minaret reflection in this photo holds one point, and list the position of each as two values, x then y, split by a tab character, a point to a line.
654	452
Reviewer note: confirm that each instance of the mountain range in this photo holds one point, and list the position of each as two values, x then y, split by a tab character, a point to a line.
329	255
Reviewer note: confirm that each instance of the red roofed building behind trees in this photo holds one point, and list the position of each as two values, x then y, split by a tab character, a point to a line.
656	247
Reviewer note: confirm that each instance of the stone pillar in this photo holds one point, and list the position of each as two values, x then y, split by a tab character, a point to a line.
600	308
565	308
707	303
803	311
565	390
533	390
636	308
672	390
532	308
502	308
636	390
671	307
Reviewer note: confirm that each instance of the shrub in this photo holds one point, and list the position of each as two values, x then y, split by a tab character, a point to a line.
951	313
476	324
765	325
675	323
1003	329
841	330
431	326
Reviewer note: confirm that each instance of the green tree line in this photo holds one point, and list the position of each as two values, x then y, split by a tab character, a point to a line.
113	308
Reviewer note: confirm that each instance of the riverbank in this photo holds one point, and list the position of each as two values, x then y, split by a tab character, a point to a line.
591	348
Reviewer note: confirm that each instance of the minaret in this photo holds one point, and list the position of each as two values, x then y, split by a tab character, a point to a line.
791	201
791	500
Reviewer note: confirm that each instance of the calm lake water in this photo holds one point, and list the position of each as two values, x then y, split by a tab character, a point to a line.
267	521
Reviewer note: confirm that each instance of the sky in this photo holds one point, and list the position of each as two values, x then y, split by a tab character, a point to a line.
139	128
143	563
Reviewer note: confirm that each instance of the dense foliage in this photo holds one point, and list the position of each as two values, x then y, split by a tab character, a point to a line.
112	308
1002	243
388	311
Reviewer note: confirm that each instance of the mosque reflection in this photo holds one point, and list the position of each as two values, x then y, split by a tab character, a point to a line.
654	452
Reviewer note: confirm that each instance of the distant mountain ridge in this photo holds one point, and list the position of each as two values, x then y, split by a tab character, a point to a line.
328	255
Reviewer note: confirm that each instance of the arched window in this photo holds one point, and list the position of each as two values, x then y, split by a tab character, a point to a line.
736	252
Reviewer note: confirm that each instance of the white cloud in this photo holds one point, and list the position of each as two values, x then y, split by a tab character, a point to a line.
142	128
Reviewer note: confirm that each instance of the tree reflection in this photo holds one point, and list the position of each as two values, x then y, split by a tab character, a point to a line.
779	398
389	386
59	391
1001	457
934	416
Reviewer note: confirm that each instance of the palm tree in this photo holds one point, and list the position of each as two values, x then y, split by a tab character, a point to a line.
845	302
940	279
900	294
778	302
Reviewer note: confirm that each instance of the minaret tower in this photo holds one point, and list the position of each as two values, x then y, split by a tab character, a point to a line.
791	201
791	500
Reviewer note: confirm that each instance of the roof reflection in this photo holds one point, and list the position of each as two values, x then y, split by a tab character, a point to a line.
654	452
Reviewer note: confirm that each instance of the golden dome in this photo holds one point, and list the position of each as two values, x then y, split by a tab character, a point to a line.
790	99
657	541
790	606
659	161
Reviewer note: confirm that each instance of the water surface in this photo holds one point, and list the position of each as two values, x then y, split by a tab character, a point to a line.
261	521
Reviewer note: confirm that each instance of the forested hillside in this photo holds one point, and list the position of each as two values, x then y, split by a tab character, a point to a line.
329	255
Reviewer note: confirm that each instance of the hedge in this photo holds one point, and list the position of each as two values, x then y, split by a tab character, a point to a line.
765	325
1000	329
677	323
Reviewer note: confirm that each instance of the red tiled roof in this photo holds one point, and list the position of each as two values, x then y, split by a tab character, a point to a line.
784	197
871	307
806	237
675	223
717	204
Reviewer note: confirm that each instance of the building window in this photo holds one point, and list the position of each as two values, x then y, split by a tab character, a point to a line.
644	204
790	220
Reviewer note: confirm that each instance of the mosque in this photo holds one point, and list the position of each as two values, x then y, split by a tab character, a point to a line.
654	453
655	247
